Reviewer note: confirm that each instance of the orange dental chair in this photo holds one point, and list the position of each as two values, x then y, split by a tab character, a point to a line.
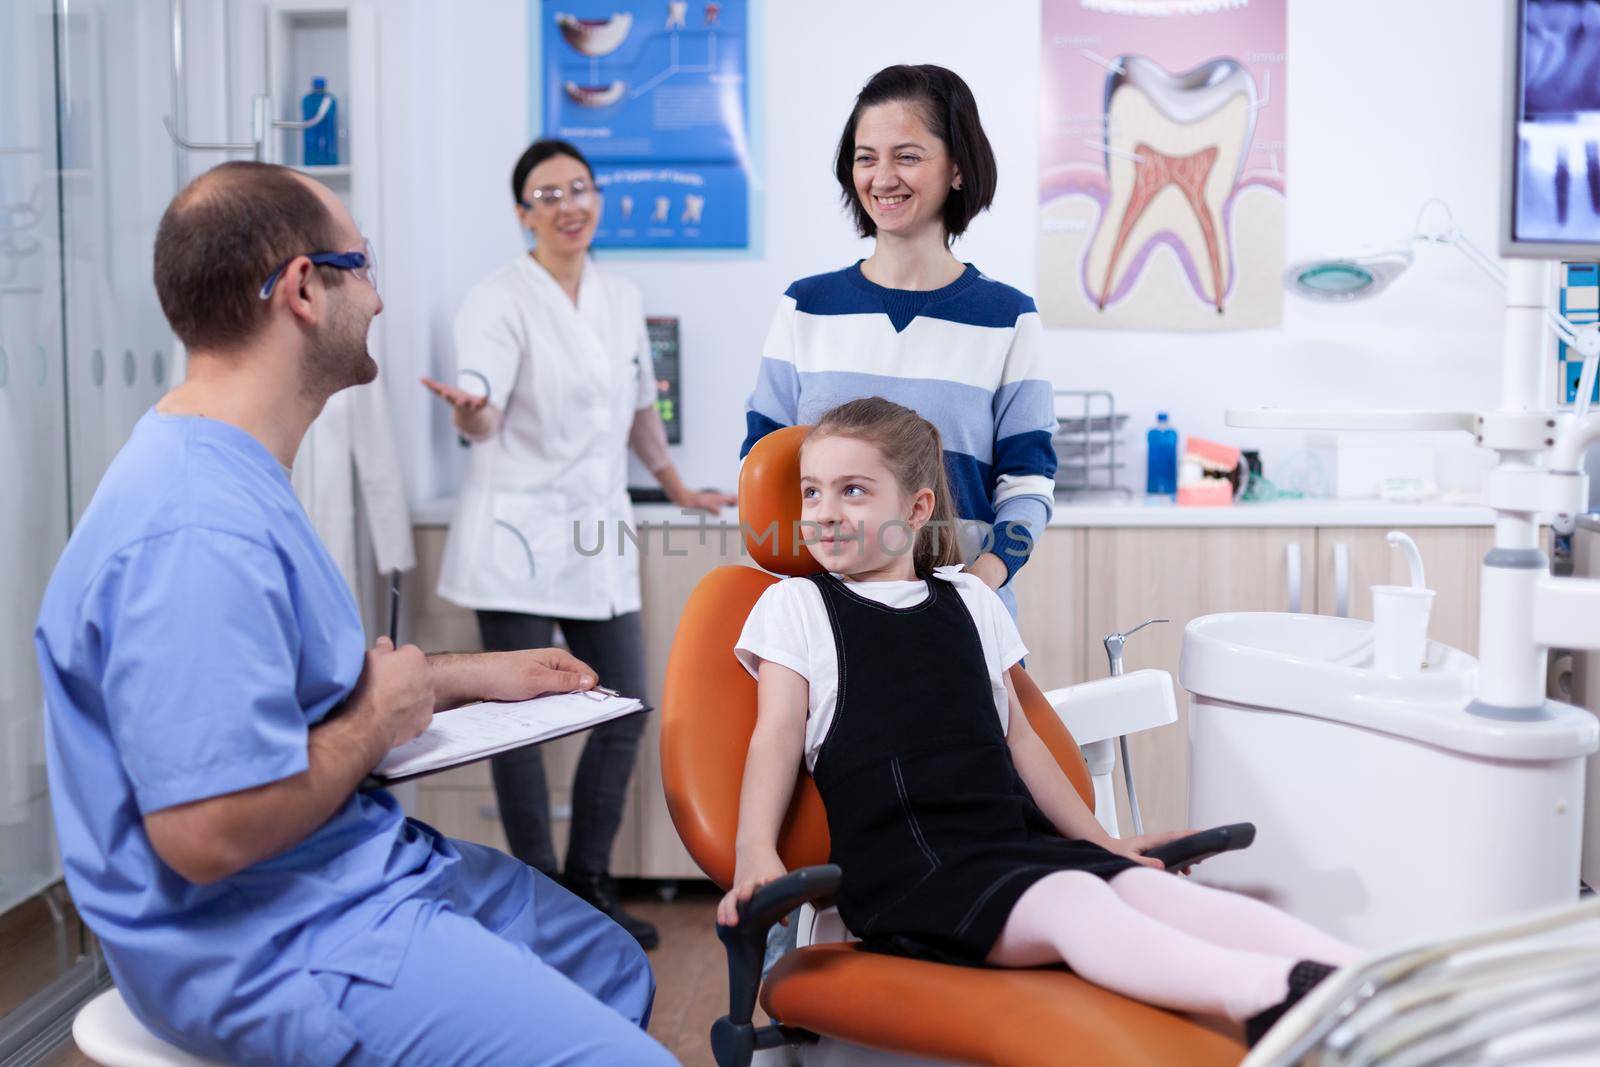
838	993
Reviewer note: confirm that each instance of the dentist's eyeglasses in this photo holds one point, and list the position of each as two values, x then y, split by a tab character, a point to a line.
363	264
549	198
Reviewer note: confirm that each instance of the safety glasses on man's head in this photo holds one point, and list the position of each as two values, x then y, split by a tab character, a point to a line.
363	264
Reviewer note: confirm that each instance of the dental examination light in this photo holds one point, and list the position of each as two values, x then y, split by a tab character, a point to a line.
1365	273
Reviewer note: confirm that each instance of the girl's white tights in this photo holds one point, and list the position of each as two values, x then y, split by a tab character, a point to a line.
1164	940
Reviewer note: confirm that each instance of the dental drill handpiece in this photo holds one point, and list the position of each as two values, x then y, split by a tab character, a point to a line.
1114	644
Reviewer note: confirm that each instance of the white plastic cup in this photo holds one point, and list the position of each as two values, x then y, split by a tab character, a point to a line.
1400	628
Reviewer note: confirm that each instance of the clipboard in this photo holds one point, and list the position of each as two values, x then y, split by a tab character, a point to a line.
544	734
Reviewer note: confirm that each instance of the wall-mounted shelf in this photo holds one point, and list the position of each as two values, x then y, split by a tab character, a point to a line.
305	41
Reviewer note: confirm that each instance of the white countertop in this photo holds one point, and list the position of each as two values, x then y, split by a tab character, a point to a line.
1138	511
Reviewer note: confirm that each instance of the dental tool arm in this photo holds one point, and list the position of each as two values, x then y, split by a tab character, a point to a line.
1564	328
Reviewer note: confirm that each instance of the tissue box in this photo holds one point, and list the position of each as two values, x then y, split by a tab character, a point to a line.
1355	465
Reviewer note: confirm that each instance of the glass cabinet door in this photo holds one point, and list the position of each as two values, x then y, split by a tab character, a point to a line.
86	170
33	430
119	171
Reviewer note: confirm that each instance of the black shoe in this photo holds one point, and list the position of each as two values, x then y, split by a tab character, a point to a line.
1303	978
600	891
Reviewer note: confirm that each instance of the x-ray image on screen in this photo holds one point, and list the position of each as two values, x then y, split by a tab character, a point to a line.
1557	134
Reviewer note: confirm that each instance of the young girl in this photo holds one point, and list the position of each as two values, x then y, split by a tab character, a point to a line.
959	836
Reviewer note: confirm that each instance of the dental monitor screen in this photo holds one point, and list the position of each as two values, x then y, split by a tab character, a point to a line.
1552	180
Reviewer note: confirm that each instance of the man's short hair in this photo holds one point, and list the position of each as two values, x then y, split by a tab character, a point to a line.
220	238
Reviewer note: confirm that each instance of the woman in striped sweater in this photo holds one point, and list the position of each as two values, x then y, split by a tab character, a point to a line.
915	325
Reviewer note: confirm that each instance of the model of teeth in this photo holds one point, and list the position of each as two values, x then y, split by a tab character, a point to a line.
595	37
663	209
1176	146
693	206
627	206
595	95
677	14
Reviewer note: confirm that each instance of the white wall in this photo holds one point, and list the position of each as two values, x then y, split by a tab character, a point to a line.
1382	114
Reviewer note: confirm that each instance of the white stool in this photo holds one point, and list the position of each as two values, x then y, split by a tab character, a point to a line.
108	1034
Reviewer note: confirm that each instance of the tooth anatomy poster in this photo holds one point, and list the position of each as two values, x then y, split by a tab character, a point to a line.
656	94
1161	164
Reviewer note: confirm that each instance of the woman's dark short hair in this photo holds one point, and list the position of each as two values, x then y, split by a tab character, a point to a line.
951	114
537	153
221	237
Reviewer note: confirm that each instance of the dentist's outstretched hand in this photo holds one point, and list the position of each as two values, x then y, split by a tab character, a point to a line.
471	413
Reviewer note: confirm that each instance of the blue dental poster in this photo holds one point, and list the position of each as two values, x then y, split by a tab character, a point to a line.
656	94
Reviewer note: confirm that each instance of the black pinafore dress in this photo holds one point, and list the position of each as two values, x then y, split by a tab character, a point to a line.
932	826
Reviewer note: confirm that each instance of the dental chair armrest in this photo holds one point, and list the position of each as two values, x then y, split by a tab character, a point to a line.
1115	707
1192	848
734	1039
779	897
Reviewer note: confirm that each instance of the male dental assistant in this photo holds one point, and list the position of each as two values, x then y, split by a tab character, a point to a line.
212	709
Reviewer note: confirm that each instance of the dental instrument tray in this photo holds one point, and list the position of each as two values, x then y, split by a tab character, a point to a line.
1193	848
1087	437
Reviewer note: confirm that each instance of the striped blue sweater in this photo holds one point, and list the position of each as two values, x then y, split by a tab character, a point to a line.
964	357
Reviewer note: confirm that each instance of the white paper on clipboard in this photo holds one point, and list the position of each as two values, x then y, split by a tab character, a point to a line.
475	731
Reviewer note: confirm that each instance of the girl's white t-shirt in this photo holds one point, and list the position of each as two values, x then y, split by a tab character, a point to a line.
789	625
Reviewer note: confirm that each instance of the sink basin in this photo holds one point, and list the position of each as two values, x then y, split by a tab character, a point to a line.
1385	811
1320	665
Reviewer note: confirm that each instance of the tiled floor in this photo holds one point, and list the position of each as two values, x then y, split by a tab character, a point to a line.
691	972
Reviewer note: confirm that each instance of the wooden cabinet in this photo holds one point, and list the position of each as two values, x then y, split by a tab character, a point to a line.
1141	573
1050	596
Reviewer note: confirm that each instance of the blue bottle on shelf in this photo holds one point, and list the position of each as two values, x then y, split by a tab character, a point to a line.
321	139
1161	463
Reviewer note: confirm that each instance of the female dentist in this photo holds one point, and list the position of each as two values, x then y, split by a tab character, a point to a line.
554	384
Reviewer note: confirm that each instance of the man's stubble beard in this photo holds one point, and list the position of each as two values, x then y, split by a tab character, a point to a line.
337	356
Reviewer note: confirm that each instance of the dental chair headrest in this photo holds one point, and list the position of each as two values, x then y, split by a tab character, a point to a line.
769	504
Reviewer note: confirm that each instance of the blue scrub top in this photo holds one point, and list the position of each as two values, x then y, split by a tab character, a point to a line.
193	632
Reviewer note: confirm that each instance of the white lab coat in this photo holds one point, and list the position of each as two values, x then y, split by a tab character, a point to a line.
353	439
550	486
